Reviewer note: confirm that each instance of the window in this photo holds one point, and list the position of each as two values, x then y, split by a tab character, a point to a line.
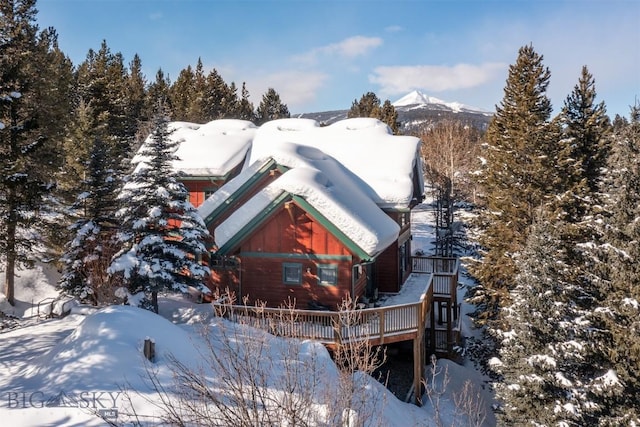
327	274
292	273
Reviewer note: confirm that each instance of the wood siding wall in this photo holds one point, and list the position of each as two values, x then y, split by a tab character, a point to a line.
197	189
262	279
291	236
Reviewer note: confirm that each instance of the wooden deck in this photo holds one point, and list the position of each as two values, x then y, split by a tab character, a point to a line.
432	322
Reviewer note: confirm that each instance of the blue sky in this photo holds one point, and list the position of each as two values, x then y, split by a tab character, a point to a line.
321	54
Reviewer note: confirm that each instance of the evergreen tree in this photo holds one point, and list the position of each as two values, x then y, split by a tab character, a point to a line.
26	155
220	98
162	234
197	110
519	176
584	148
369	106
244	109
102	83
181	95
616	262
549	366
271	108
389	115
55	104
136	98
158	92
89	252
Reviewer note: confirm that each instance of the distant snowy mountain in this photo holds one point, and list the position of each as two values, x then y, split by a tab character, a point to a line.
417	111
417	99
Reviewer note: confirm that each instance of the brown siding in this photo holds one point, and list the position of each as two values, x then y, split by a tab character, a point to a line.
387	270
197	189
262	279
292	231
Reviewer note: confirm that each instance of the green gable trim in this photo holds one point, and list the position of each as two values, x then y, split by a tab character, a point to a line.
253	225
313	257
208	178
265	169
350	244
259	219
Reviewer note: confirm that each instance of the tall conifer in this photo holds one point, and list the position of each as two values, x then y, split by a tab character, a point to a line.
518	177
26	154
162	236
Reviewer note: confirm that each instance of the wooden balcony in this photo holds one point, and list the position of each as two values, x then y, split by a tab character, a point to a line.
432	322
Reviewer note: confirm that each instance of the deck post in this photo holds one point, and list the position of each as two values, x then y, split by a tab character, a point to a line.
418	356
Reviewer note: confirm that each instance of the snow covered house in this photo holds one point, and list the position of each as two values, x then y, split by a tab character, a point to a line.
316	212
210	154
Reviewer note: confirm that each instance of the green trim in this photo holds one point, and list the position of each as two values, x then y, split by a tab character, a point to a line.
350	244
253	224
271	208
281	255
266	168
208	178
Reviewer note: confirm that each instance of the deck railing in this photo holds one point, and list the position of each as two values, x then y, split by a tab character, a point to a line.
382	324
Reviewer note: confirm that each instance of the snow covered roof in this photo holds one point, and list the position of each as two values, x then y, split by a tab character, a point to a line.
212	149
387	163
325	184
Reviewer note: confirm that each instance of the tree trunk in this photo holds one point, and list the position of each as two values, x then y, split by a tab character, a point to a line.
9	284
154	301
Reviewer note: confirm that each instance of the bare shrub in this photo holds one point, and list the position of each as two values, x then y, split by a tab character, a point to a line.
248	377
469	406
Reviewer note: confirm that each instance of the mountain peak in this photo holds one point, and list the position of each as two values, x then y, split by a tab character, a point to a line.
418	99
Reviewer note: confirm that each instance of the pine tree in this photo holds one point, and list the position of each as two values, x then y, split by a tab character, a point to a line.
369	105
135	98
617	266
197	110
550	370
158	93
244	110
220	98
26	155
518	177
102	83
271	108
89	252
584	148
162	237
181	95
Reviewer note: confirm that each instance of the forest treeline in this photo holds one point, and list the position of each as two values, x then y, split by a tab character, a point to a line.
557	202
557	221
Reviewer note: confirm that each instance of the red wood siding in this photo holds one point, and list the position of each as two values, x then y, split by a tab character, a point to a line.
262	279
292	231
198	188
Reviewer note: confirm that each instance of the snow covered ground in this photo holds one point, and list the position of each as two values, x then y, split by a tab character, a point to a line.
66	371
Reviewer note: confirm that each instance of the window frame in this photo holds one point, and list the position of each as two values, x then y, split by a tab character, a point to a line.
287	265
330	267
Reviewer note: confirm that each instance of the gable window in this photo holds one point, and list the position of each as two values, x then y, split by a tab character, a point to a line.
292	273
327	274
